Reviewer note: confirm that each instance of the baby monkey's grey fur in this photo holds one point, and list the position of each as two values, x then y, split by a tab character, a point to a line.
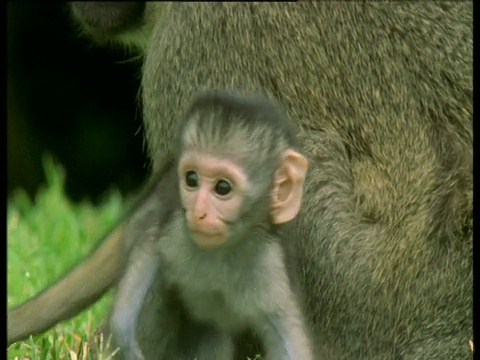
242	284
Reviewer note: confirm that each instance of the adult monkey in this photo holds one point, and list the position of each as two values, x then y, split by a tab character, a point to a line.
383	93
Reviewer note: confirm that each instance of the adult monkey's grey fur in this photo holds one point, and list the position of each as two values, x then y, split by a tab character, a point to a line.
383	93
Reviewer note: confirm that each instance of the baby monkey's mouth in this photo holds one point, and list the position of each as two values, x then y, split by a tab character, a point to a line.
203	233
207	239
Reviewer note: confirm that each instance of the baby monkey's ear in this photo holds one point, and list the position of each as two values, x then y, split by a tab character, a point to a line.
288	186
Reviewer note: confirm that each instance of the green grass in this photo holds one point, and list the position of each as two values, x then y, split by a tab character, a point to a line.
46	237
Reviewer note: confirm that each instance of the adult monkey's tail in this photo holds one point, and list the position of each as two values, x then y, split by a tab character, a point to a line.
77	290
93	277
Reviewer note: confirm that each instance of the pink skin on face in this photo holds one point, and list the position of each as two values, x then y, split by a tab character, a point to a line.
208	212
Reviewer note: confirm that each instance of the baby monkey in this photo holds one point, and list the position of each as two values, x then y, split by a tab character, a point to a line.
238	176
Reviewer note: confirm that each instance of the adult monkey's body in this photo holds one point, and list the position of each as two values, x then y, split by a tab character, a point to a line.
384	94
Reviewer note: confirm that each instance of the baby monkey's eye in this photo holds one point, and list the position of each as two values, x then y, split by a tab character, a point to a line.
223	187
191	178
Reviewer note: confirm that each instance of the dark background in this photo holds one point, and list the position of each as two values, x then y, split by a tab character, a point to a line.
71	99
